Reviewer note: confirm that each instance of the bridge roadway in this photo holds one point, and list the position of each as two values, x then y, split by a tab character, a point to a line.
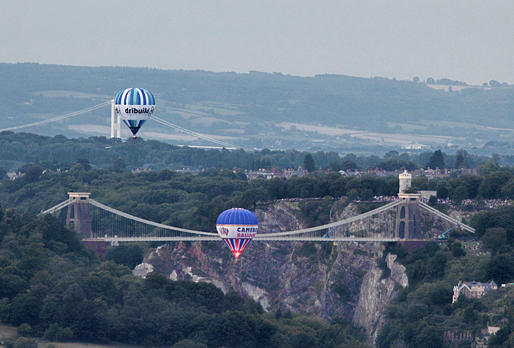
268	238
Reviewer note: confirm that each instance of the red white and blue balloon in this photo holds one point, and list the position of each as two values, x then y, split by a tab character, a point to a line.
135	106
237	227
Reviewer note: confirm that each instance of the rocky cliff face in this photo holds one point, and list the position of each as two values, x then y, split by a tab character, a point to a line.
311	278
376	293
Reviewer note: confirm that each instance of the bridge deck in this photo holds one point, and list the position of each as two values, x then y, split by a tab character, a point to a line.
303	234
263	239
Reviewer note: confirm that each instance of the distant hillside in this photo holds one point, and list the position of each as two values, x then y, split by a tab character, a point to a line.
328	112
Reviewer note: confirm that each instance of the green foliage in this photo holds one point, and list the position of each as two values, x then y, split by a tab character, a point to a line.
128	255
24	330
50	282
23	342
66	293
308	163
436	160
494	238
80	155
500	217
187	343
423	311
391	164
501	268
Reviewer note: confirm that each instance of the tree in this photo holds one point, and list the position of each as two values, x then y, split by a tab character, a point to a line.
491	186
23	342
436	160
494	83
442	191
430	81
308	163
488	167
3	173
494	238
391	154
501	268
32	172
118	165
507	190
130	255
349	165
460	162
84	163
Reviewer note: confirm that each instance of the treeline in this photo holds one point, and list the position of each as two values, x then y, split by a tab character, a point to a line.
17	149
423	312
491	182
54	288
194	201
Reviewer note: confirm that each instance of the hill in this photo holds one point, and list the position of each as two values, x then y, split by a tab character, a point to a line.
328	112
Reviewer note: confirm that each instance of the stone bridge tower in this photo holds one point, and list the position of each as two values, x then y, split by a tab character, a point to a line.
78	217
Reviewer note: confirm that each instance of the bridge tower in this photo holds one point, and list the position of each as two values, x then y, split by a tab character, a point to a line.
78	216
115	123
408	217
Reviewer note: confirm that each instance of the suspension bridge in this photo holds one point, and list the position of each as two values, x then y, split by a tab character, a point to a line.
115	130
406	219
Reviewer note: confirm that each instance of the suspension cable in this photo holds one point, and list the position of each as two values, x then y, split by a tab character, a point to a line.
58	118
190	132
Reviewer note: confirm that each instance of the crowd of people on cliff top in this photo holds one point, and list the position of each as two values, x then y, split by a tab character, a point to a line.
476	204
469	203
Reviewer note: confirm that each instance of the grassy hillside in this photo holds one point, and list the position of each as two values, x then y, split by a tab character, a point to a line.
264	110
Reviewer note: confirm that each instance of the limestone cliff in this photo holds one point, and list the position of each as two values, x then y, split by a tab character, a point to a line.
311	278
376	293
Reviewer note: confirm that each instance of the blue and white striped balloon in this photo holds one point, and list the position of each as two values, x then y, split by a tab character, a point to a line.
135	106
134	96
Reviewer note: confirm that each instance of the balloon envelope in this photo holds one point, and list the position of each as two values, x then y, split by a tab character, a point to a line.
135	106
237	227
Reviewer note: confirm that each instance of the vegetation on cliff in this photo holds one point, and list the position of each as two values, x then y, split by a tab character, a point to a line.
423	312
53	287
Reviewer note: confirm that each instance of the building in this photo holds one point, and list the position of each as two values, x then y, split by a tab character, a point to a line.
472	289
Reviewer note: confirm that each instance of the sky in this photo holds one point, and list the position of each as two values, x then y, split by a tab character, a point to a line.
466	40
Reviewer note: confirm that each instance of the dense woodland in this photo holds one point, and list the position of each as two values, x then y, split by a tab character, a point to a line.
423	312
52	287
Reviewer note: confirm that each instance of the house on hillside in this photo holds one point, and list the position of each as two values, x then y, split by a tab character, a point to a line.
472	289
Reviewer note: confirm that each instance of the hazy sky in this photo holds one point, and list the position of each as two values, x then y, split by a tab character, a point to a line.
468	40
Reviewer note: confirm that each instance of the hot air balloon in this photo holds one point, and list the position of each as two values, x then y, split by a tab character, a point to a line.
135	106
237	227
